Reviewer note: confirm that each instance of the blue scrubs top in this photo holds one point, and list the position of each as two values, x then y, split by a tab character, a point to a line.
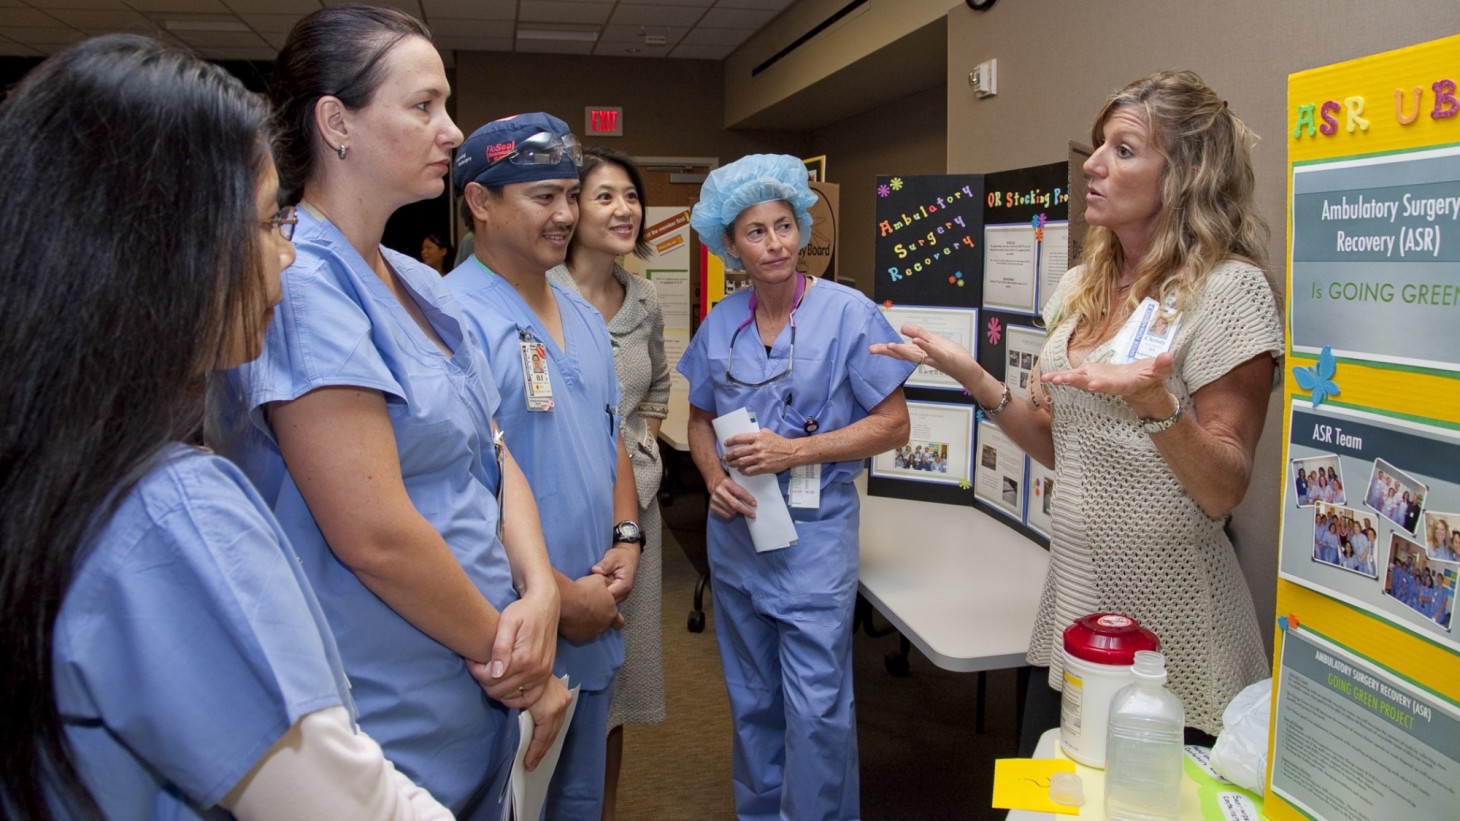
568	454
835	381
188	643
338	325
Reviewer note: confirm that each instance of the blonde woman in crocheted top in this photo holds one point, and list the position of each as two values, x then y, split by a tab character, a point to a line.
1151	452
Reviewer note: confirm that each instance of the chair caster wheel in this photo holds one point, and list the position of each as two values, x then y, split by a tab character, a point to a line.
696	621
897	665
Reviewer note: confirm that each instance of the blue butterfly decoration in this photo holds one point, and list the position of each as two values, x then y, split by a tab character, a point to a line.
1318	380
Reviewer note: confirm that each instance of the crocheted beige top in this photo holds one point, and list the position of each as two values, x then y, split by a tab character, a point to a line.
1127	537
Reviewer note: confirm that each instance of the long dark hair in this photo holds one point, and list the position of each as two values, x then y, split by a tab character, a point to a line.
131	244
595	156
338	51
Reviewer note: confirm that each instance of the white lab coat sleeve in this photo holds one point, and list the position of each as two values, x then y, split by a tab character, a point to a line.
324	768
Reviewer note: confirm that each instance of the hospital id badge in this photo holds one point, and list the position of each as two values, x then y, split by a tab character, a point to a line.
535	381
805	488
1147	333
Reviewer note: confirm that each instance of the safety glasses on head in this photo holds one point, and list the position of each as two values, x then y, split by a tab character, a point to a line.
542	148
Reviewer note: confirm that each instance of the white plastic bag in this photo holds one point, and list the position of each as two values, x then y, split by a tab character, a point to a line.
1240	753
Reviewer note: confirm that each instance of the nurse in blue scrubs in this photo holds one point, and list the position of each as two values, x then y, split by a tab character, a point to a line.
164	656
367	424
552	362
792	350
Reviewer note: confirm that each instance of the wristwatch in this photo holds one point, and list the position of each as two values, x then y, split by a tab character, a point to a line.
1154	426
629	532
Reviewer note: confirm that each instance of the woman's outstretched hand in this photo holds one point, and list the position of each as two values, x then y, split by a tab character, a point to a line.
924	348
1141	383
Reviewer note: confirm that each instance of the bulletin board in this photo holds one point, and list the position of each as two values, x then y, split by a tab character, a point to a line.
970	257
1366	715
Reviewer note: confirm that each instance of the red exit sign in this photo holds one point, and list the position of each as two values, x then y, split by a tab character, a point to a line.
603	122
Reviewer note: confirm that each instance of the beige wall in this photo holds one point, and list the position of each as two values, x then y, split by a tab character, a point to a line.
872	27
671	107
1058	60
905	137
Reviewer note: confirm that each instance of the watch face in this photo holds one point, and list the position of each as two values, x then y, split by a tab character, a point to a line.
628	532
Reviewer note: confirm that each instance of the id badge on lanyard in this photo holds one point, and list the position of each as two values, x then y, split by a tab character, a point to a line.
1148	332
536	384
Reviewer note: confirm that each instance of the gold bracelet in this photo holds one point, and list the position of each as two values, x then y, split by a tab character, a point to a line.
1003	403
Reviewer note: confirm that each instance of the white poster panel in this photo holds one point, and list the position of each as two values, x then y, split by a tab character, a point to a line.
999	471
668	267
1024	345
1009	268
957	325
938	448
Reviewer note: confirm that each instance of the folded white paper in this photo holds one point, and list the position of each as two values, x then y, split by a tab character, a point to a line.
530	788
772	528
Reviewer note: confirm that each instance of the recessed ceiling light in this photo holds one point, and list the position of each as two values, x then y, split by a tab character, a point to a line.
632	50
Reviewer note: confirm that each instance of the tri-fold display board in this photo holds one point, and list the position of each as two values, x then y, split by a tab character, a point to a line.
971	258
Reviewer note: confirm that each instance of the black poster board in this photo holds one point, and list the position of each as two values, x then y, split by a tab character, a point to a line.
929	252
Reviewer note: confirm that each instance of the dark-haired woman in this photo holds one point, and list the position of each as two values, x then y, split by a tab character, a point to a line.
372	435
164	656
611	225
436	252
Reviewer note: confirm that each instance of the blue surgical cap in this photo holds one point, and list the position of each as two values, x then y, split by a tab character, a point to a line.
748	181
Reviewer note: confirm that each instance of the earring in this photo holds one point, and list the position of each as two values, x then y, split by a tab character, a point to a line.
341	150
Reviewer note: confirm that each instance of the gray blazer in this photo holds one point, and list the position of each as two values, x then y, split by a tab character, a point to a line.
637	332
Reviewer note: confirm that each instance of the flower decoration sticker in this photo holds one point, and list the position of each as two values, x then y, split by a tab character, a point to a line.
884	191
897	183
1317	379
995	330
956	279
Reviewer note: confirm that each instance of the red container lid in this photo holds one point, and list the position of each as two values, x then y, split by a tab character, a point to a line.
1108	638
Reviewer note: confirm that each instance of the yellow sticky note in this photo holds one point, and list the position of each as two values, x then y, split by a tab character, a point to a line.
1023	784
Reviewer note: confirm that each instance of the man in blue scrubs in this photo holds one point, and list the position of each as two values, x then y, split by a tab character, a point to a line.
552	362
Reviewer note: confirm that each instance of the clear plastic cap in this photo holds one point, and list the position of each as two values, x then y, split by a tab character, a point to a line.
1150	665
1066	789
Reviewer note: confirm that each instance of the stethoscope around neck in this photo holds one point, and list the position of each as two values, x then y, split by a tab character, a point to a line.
809	423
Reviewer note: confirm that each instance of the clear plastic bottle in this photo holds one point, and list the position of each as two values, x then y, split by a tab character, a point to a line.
1144	746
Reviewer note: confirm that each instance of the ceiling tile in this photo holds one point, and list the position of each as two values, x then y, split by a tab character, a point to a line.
451	43
701	52
12	49
258	54
470	9
635	34
716	37
774	5
458	29
641	15
737	18
270	23
25	18
411	7
45	38
623	50
553	47
221	39
550	11
294	8
118	19
172	6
